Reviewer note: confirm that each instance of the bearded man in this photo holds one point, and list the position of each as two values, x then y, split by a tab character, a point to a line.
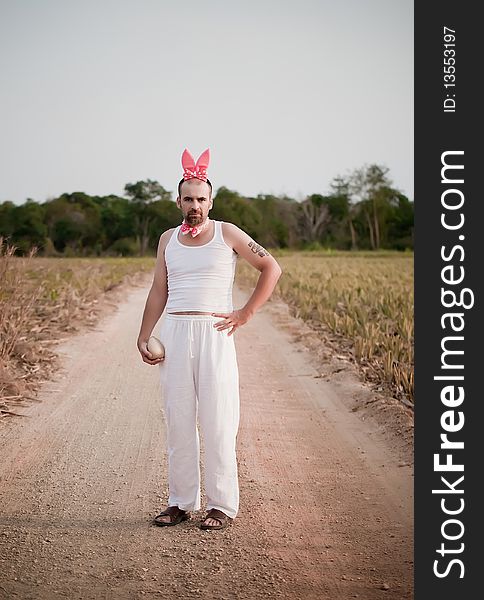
193	280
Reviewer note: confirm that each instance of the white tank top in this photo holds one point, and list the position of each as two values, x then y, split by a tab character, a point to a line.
200	277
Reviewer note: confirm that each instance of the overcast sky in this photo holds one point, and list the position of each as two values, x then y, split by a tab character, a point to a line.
287	94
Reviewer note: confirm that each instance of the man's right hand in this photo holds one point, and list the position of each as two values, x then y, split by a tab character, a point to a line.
146	354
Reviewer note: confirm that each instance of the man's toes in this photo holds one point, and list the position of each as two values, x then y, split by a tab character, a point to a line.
164	519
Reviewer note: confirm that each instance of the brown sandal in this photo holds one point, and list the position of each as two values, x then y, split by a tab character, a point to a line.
176	516
219	516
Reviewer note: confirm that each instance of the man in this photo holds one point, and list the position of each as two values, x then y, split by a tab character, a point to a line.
193	280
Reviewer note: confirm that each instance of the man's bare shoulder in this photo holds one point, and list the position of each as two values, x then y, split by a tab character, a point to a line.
164	239
166	235
231	229
168	232
232	234
240	241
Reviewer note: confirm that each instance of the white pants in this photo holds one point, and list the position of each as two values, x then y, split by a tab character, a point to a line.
200	378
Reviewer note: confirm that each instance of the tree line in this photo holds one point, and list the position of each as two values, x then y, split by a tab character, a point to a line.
362	212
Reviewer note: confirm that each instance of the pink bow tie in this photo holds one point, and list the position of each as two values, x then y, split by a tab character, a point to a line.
193	230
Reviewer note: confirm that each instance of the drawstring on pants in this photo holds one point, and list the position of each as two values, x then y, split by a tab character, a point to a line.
193	321
191	339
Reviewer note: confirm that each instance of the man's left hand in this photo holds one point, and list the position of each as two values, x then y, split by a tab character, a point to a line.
231	320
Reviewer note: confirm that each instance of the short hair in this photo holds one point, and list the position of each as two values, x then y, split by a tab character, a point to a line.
183	181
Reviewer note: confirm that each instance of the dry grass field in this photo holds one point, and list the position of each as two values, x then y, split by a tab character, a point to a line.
43	300
366	299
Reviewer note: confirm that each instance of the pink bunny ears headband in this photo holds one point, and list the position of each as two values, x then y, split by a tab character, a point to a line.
192	169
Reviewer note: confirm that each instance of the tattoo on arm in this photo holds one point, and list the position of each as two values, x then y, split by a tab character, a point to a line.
256	249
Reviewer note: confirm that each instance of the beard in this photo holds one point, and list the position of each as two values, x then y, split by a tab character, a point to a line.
194	218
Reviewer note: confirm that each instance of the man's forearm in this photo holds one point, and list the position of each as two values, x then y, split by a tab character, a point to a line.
155	305
264	288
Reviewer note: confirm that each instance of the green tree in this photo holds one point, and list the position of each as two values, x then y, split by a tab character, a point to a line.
142	195
166	215
370	186
116	220
73	222
315	217
231	207
348	212
400	229
29	227
275	228
7	218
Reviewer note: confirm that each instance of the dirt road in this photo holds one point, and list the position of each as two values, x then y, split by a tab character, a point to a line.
326	494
